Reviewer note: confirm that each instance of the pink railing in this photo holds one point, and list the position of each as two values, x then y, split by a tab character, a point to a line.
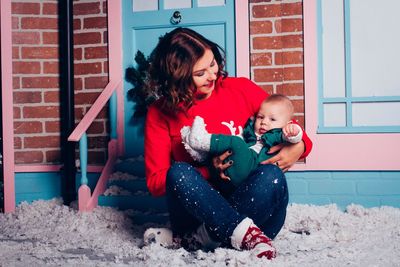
86	199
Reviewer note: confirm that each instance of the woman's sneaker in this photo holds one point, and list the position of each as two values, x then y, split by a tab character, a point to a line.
161	236
247	236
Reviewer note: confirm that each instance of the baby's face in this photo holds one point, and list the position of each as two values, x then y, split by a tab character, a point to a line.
271	116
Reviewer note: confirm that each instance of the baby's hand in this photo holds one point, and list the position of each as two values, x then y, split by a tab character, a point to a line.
290	130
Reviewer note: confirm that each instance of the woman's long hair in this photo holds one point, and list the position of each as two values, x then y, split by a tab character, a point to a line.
171	66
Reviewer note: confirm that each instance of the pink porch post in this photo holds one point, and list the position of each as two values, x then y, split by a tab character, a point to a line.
7	106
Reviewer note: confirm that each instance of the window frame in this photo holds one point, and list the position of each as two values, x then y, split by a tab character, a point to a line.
333	151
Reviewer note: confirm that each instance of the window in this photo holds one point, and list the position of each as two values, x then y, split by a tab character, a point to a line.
358	55
351	93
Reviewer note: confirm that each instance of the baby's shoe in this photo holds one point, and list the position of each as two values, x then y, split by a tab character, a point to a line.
197	155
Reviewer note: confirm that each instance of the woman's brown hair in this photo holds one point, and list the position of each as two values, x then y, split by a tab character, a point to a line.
172	63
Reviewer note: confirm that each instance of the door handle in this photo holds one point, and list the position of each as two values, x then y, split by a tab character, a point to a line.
176	18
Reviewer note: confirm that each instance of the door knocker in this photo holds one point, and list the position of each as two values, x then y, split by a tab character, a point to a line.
176	18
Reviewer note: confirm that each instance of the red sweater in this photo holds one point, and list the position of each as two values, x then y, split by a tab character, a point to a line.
232	102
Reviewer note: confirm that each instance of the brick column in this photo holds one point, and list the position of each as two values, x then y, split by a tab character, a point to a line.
276	43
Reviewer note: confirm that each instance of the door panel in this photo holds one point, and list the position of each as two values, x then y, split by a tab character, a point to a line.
141	29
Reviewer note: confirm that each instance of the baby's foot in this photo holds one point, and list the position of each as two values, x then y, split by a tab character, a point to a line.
199	138
195	154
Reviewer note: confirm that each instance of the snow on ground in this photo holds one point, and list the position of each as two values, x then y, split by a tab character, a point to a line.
47	233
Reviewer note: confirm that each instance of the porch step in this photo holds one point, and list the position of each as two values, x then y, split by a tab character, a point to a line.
127	190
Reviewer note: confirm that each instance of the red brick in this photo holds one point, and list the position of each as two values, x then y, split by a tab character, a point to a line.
274	42
103	114
15	23
97	127
285	58
41	112
96	52
28	127
16	112
53	156
15	52
27	97
40	82
290	25
51	97
86	8
16	83
290	9
17	143
291	89
259	1
52	127
293	73
79	113
78	53
95	23
292	41
104	7
50	9
41	141
87	38
105	67
51	67
268	75
83	98
78	84
77	24
25	8
25	37
97	142
96	82
267	11
50	37
298	106
39	23
39	52
87	68
96	157
260	27
26	157
267	88
300	120
20	67
261	59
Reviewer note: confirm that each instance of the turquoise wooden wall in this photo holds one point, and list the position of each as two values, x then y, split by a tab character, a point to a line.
30	186
367	188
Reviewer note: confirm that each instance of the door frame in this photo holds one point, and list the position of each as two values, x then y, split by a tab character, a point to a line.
7	106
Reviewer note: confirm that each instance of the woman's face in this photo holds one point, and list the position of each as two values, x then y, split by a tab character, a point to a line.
204	75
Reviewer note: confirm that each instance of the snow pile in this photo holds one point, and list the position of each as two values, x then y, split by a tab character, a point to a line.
47	233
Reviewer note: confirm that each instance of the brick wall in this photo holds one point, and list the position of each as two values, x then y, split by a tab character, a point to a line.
91	70
276	47
36	77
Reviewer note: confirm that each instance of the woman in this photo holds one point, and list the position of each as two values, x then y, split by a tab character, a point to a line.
187	74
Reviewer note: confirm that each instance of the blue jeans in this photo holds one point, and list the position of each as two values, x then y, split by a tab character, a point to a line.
192	200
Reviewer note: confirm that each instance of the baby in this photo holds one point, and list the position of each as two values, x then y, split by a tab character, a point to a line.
272	126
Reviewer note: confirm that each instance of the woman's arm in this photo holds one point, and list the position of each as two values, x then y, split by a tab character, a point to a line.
157	151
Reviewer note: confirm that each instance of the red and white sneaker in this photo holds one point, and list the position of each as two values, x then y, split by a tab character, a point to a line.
247	236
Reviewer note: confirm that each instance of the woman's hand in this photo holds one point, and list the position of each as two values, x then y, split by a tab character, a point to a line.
220	166
287	156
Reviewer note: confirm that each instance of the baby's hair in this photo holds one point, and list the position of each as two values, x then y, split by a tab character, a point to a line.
282	99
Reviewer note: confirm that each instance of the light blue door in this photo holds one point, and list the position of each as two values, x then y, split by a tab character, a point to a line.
144	21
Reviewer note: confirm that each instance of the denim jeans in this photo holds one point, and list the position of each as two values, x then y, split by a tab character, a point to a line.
192	200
